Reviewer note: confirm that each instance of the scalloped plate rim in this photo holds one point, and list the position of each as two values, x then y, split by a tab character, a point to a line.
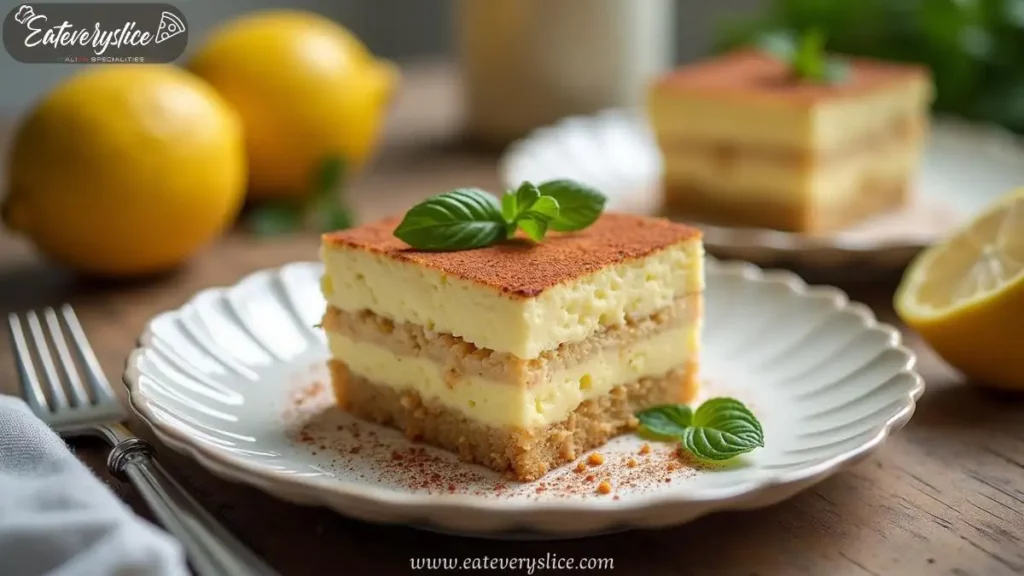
641	511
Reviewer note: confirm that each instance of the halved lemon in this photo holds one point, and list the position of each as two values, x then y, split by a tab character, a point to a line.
965	296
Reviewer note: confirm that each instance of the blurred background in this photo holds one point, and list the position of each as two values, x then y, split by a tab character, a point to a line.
395	29
322	93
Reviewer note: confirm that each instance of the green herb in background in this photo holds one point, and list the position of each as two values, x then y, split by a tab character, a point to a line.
805	55
973	48
322	211
720	429
468	218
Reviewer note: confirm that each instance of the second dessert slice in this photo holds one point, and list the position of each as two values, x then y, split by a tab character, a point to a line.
517	356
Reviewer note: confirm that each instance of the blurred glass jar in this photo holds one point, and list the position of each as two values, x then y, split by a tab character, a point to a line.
527	63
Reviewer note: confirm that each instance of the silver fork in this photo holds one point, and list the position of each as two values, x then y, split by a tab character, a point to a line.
74	408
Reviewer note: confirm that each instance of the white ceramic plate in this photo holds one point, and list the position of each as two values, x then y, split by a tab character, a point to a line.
235	379
964	168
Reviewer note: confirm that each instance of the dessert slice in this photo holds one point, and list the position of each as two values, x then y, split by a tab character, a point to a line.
746	142
520	355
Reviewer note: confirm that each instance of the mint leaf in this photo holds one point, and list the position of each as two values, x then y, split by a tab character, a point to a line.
544	208
508	208
805	55
329	215
321	210
534	220
329	176
274	219
471	218
809	59
668	421
535	229
462	219
722	428
780	45
579	205
526	195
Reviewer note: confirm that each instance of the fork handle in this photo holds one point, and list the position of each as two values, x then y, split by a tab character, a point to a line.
212	550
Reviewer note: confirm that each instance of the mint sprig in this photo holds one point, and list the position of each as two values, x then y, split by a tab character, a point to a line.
322	210
470	218
806	56
720	429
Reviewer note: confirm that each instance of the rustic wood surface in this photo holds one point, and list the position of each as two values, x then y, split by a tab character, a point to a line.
944	496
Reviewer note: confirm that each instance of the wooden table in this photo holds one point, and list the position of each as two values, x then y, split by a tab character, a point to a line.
944	496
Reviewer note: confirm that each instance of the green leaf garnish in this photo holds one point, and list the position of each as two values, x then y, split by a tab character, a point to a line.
805	55
665	422
462	219
720	429
535	229
525	196
579	205
471	218
323	209
275	218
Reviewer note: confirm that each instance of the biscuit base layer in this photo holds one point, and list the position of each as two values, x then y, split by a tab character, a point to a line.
709	206
524	454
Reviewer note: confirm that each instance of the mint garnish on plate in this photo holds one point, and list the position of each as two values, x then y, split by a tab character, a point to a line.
720	429
468	218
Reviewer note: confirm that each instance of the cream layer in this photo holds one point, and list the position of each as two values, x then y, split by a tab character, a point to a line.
525	327
503	404
762	178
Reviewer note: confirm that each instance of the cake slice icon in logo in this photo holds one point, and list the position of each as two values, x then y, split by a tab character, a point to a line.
170	26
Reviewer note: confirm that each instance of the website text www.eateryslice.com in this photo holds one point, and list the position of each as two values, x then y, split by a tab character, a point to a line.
550	561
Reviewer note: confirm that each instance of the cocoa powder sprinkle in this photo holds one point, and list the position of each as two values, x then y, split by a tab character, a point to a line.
363	452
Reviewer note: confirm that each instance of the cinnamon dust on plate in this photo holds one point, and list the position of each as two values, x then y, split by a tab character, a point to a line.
365	452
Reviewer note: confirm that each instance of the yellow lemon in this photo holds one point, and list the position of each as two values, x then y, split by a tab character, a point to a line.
965	296
306	89
126	170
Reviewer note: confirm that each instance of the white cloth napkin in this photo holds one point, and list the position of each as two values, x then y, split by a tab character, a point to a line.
57	518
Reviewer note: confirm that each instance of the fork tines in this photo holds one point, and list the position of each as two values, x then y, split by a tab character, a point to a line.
50	391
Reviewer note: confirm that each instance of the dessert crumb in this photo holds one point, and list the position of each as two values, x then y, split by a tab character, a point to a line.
604	487
595	459
673	466
581	467
631	463
589	478
645	449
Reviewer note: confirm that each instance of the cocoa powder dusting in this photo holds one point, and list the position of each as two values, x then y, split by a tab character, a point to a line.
361	452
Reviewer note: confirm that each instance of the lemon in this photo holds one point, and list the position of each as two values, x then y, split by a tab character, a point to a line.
965	296
307	91
126	170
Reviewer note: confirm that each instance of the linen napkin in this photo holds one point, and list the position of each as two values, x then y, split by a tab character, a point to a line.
57	518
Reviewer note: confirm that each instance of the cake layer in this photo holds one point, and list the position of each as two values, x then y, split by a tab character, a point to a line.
711	206
750	98
752	177
517	297
554	393
459	357
526	454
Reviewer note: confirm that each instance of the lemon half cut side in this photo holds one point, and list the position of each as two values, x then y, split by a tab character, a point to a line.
965	296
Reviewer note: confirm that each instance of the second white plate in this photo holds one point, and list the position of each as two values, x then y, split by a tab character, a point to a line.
965	167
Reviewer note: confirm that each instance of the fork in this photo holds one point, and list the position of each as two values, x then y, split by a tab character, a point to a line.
73	407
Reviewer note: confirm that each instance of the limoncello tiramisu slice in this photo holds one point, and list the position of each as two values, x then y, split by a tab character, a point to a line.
519	354
808	144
